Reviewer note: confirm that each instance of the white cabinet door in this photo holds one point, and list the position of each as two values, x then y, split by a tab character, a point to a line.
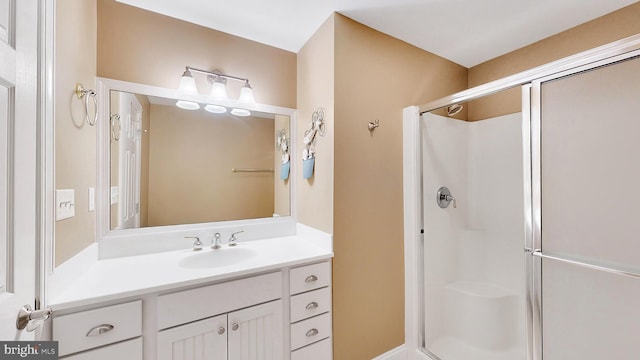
256	333
204	339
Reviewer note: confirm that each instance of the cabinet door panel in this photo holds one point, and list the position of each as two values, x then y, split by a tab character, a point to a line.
204	339
256	333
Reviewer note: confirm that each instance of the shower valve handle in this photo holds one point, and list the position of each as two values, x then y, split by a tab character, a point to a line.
451	198
444	198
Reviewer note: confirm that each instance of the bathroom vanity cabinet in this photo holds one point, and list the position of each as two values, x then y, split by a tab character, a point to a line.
281	314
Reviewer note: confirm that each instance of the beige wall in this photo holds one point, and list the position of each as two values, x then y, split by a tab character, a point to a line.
148	48
316	89
75	141
191	154
376	76
614	26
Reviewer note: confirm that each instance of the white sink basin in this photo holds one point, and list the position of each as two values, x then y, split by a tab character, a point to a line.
208	258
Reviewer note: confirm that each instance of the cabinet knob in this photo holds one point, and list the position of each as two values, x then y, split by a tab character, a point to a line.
311	278
235	326
221	330
312	332
312	305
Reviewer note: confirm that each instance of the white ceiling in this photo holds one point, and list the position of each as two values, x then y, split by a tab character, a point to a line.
467	32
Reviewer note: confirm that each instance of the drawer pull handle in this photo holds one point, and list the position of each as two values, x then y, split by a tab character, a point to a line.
312	332
100	329
221	330
312	305
235	326
311	278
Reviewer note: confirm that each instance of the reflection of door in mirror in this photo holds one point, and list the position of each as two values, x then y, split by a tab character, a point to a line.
130	140
129	148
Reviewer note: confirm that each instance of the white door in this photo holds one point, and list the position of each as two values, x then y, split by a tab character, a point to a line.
255	333
204	339
18	210
130	164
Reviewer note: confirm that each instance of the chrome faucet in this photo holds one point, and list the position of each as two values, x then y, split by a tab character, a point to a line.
232	240
215	242
197	245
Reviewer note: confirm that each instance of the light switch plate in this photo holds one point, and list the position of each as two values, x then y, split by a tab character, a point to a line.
65	204
115	194
92	199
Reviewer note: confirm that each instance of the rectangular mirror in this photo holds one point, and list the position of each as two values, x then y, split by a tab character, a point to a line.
172	166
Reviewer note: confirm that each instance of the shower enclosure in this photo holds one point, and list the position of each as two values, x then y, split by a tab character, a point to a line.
521	215
473	271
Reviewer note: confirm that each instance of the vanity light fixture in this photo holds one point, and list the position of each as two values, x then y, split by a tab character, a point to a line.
218	87
187	86
218	91
246	94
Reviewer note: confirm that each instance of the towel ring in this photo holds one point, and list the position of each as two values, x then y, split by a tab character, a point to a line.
81	93
115	121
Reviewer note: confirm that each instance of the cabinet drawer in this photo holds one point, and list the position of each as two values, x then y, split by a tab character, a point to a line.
128	350
88	329
310	304
322	350
310	277
195	304
311	330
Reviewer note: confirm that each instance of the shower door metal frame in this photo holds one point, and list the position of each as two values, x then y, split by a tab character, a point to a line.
530	81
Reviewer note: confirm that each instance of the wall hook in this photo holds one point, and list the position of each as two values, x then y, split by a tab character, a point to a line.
373	125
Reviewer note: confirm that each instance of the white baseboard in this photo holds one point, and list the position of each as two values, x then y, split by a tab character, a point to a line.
399	353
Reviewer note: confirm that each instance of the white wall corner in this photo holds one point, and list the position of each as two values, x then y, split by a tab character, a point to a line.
399	353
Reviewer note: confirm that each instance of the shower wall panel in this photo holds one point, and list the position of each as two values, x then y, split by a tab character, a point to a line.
473	258
445	151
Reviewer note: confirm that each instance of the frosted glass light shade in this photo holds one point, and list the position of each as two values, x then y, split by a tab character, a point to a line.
240	112
218	90
246	94
216	109
187	105
188	84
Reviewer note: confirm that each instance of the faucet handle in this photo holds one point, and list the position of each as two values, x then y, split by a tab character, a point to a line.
197	244
215	242
232	240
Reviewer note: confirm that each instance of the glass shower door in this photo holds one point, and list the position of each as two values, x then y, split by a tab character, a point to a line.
473	270
590	172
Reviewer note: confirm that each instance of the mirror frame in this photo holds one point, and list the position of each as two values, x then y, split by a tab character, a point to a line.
143	238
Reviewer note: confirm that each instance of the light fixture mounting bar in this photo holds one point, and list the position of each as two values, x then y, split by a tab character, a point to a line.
212	73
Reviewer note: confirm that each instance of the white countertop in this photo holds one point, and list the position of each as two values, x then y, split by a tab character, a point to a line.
123	277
